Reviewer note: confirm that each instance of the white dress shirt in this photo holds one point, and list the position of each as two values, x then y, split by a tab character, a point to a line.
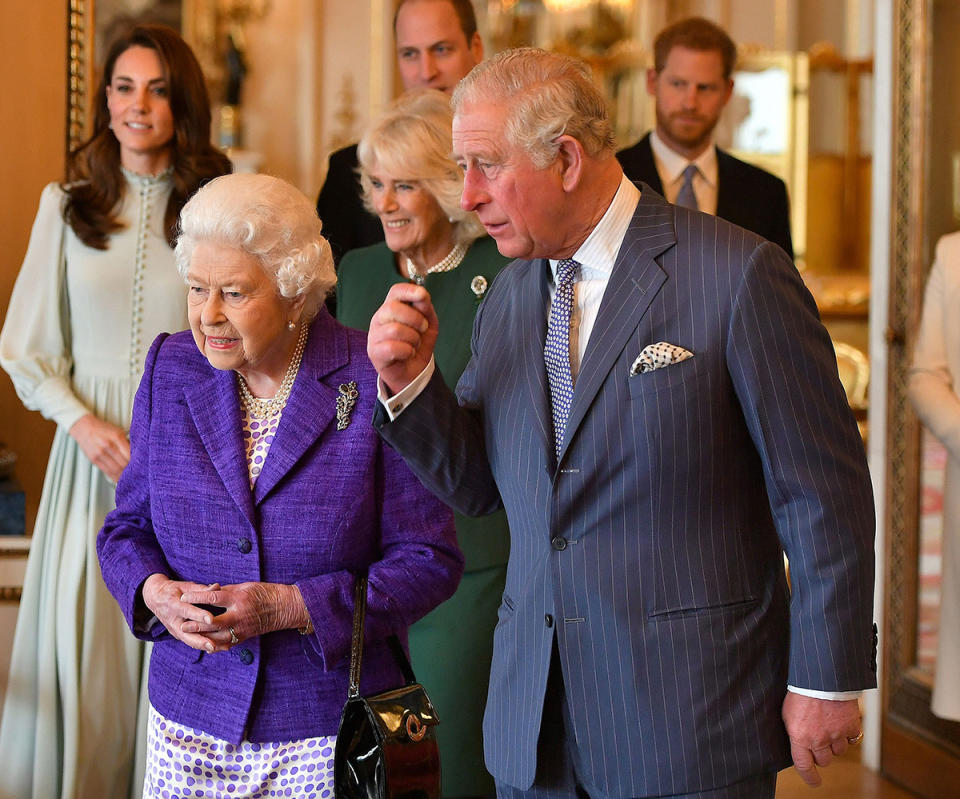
596	257
670	167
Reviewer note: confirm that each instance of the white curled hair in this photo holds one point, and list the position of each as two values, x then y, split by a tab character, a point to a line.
269	219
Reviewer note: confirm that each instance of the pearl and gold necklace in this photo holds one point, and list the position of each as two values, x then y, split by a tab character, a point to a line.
265	408
451	261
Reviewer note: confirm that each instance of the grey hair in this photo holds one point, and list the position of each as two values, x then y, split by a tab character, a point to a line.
412	139
269	219
548	95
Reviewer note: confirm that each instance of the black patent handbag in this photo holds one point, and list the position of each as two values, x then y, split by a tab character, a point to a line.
387	745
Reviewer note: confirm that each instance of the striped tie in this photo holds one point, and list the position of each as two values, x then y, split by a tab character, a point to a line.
556	352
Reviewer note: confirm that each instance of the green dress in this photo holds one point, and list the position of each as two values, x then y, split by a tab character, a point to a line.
452	646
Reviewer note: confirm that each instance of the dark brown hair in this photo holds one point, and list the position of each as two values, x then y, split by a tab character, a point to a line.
464	11
695	33
94	182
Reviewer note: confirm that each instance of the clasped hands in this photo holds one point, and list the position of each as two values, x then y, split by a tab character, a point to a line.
250	609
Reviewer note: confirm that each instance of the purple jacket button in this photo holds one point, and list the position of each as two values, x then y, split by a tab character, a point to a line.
246	657
244	545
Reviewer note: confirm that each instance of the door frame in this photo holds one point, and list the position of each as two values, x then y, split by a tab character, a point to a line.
918	750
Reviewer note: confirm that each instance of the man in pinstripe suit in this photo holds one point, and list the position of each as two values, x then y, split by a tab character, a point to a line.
647	643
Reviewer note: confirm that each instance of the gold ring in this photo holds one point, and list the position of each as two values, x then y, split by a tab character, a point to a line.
235	640
855	741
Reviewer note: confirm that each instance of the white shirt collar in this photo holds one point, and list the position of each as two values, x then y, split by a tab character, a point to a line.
672	164
599	251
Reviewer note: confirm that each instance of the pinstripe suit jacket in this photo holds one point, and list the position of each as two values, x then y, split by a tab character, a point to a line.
652	550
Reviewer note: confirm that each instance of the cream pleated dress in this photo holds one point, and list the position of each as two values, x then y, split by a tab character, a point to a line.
934	383
77	330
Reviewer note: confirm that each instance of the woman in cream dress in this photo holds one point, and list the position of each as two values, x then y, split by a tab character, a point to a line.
97	284
934	386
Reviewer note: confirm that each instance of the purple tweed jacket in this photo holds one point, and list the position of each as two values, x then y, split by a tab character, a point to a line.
327	504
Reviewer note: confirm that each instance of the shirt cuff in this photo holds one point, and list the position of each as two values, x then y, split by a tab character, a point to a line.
395	404
833	696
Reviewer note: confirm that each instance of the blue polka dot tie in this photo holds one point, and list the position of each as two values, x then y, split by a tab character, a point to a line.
686	197
556	352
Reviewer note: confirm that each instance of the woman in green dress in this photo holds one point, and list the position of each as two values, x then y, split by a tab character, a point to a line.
410	181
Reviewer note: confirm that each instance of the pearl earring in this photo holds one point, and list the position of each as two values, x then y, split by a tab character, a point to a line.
291	325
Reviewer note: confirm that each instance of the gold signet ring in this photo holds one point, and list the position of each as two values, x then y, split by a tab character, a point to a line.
855	741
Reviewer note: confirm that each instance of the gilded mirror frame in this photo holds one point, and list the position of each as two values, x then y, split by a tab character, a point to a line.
912	735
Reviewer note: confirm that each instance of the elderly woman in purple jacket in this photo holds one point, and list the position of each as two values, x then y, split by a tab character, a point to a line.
256	490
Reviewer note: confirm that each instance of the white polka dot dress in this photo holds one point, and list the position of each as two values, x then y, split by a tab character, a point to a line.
183	763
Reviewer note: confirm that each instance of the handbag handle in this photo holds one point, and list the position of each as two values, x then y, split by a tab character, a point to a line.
356	642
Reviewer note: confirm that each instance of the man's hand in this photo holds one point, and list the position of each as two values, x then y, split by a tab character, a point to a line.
403	333
818	730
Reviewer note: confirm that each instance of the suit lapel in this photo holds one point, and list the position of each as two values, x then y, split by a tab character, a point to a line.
728	190
648	165
215	409
312	406
534	301
634	282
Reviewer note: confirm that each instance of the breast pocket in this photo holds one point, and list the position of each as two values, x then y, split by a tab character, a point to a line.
661	379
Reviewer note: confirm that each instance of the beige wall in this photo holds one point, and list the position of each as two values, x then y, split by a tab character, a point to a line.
32	130
283	94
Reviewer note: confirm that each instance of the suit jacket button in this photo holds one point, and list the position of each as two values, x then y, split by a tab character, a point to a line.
246	657
548	620
559	543
244	545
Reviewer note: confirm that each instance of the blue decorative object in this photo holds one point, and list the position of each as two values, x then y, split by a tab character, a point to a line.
13	508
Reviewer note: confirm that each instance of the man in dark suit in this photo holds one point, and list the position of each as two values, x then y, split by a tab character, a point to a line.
653	399
693	62
437	44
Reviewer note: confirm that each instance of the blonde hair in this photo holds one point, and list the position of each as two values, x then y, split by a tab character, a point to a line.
547	95
412	139
268	218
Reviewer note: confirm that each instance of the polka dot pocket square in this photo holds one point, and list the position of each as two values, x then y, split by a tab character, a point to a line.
656	356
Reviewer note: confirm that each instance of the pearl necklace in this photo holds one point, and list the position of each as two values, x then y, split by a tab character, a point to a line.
265	408
451	261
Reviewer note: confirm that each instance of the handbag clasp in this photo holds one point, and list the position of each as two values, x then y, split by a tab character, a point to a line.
416	729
